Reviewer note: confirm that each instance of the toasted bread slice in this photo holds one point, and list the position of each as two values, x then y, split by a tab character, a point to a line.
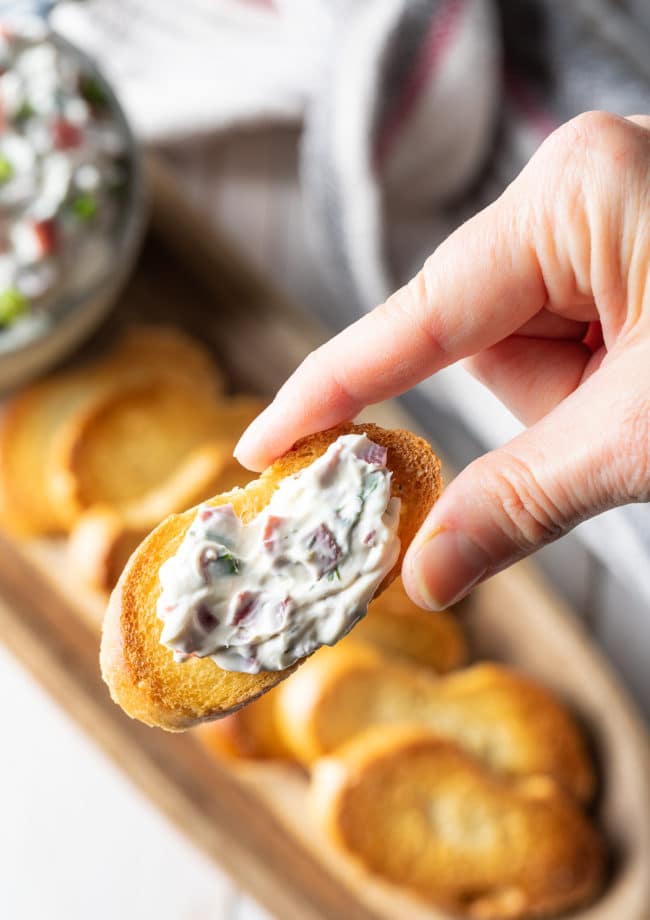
394	625
103	539
169	348
526	729
142	674
251	732
422	813
33	419
134	441
509	721
432	639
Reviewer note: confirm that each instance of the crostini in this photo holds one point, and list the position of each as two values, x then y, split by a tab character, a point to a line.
167	687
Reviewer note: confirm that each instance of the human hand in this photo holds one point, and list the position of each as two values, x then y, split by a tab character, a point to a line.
546	293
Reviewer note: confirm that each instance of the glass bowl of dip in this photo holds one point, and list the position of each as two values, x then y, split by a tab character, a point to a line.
72	204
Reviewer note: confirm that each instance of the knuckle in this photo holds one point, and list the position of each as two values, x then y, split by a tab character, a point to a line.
591	203
614	140
526	513
591	129
411	305
409	302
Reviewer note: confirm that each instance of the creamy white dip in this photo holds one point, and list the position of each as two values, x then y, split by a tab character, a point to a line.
260	596
64	175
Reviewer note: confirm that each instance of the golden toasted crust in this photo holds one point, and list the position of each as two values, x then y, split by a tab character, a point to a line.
421	812
251	732
507	720
433	639
29	426
141	673
160	347
33	419
133	440
103	539
539	734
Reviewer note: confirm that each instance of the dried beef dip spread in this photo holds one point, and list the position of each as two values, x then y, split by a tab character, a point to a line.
63	174
260	596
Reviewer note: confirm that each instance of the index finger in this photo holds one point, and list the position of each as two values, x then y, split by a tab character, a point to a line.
479	286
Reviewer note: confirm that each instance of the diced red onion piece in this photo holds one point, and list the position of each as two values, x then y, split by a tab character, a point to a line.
326	553
45	233
206	514
374	454
244	606
205	618
65	134
271	532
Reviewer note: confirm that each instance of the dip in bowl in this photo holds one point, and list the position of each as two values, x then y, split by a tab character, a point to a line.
71	200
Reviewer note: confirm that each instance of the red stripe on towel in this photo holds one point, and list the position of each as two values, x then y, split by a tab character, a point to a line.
441	30
528	104
269	4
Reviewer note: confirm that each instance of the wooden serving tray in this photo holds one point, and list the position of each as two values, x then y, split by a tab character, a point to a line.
250	817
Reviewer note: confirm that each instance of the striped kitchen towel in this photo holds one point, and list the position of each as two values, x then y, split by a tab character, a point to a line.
415	114
426	110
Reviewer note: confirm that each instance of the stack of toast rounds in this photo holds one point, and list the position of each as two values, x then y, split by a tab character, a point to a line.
105	451
468	784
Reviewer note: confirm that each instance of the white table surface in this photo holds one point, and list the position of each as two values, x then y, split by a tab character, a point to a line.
77	840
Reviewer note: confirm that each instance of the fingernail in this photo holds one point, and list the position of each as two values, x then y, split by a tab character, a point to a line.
446	567
247	442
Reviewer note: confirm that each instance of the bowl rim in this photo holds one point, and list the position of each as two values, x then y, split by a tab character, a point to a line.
129	233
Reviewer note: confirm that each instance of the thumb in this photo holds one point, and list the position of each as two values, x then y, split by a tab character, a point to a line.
590	453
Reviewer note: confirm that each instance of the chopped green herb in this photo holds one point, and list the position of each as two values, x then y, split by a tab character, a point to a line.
92	90
334	574
13	304
6	169
231	561
24	112
370	488
84	206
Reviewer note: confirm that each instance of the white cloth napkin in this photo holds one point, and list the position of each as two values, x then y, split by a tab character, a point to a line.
201	66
